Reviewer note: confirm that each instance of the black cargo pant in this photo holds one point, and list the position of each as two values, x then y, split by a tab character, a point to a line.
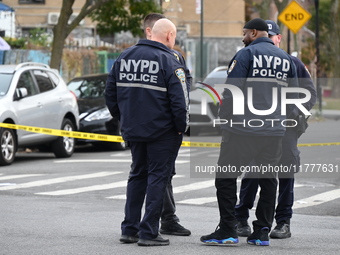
237	151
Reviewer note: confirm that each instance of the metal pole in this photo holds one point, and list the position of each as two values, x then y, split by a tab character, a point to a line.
288	41
317	62
201	40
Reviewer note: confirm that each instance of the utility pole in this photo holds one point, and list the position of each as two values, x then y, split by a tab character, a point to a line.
317	62
201	41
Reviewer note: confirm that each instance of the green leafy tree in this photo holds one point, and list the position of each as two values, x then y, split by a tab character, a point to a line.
114	17
126	14
329	37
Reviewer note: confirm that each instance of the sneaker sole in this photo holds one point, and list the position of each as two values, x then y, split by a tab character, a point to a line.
221	242
258	242
174	233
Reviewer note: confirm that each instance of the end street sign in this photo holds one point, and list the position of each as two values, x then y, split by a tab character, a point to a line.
294	16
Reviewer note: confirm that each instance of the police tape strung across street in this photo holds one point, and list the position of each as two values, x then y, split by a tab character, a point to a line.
119	139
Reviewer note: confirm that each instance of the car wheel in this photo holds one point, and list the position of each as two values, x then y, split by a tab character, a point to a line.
8	146
64	146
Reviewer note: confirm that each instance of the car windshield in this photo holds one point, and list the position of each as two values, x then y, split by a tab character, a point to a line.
87	88
5	83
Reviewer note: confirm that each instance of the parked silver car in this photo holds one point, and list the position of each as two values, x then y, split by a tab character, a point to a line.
33	94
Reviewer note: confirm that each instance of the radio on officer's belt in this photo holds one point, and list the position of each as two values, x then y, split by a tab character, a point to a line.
302	124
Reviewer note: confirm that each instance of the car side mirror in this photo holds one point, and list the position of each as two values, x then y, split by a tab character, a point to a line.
20	93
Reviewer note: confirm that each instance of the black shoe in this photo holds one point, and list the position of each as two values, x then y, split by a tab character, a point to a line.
175	229
259	237
243	229
158	241
281	231
220	237
129	239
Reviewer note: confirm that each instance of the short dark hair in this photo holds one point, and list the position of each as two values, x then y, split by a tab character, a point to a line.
151	18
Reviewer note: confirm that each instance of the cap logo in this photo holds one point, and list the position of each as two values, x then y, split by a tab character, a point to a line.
270	26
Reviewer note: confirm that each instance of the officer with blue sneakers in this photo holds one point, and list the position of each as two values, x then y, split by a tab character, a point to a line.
290	158
256	71
147	91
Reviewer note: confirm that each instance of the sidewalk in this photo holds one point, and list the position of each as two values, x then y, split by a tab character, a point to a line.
328	114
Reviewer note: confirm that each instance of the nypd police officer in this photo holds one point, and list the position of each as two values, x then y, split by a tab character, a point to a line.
290	158
256	71
146	90
169	220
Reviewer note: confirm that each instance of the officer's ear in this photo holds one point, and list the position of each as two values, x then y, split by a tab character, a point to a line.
253	33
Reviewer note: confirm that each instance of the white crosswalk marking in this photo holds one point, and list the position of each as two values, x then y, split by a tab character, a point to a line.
198	201
180	189
191	187
317	199
58	180
11	177
113	185
106	161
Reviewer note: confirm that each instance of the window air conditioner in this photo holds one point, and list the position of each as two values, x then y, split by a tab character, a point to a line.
52	18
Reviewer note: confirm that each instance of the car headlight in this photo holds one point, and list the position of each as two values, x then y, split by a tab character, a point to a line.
98	115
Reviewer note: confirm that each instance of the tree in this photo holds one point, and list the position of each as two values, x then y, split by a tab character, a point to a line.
103	11
113	17
62	29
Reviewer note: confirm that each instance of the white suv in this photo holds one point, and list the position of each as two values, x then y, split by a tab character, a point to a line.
33	94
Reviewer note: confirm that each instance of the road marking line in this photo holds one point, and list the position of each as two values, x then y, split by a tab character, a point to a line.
107	161
198	201
10	177
317	199
180	189
58	180
84	189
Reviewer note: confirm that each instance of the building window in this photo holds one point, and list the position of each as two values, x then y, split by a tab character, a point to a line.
31	1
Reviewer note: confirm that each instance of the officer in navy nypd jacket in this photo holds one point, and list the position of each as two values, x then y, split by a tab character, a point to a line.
162	87
147	91
261	73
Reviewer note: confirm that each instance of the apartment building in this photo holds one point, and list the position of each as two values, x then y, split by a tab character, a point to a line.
222	22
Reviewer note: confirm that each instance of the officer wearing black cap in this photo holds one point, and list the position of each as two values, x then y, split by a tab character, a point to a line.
255	71
290	157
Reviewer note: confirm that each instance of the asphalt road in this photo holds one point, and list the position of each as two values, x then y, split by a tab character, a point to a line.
75	205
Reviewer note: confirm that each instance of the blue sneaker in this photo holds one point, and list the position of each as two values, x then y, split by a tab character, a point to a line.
259	237
220	237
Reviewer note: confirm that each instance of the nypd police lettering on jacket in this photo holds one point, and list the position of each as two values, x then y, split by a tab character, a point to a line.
260	71
138	70
147	91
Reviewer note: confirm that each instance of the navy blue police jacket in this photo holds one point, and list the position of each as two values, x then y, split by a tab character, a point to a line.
188	76
146	90
258	73
305	81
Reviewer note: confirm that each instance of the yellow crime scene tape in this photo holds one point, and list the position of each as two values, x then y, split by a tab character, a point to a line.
119	139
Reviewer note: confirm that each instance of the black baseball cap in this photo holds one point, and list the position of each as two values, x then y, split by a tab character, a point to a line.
258	24
273	28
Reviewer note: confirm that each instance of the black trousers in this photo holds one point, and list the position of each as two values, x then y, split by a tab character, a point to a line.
237	151
168	215
249	185
152	166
